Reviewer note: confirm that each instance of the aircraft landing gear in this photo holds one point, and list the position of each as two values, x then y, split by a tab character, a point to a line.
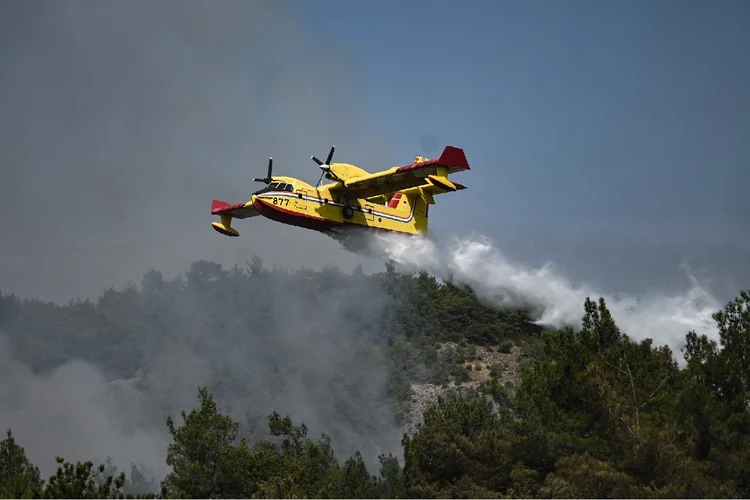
348	212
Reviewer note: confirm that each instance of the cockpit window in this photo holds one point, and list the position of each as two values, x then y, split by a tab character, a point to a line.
280	186
276	186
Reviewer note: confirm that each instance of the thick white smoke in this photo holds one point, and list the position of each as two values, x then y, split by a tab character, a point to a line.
476	262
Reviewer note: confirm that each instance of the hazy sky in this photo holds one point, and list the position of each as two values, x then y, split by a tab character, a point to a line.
609	137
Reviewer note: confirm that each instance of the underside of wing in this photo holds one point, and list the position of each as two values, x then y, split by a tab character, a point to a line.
420	173
237	211
425	190
227	212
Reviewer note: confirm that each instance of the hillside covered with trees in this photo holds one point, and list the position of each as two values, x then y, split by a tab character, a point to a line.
291	384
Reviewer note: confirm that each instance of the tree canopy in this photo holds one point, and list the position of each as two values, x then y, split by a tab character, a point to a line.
586	412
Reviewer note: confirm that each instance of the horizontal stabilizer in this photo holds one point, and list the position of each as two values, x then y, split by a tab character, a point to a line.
442	182
433	187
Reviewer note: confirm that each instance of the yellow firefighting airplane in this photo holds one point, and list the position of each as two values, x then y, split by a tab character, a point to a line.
394	200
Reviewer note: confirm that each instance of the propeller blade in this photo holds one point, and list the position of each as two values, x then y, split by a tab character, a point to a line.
270	168
328	159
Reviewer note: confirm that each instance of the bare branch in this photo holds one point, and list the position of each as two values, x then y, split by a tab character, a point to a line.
635	436
632	383
616	368
666	376
635	398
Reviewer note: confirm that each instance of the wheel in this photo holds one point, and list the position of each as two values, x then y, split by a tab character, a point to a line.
348	212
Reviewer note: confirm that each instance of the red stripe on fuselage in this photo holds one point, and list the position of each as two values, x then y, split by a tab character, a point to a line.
292	218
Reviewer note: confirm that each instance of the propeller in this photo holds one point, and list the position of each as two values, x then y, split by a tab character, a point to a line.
268	179
327	164
325	167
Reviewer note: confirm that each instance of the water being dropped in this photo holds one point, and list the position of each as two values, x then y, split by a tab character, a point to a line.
478	263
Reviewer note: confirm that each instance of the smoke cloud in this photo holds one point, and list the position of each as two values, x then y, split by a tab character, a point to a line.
121	121
260	342
72	412
558	302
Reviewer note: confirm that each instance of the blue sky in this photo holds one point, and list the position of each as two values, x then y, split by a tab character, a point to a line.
634	113
601	134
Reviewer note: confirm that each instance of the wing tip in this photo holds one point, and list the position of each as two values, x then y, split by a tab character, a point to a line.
218	206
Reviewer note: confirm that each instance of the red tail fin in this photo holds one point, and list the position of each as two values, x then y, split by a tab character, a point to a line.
453	158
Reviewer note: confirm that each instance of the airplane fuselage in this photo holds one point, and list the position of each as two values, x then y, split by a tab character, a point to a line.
300	204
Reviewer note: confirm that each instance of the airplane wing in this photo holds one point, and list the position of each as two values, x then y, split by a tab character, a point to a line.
434	172
227	212
236	211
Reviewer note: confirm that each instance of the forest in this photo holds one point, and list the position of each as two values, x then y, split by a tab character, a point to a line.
275	383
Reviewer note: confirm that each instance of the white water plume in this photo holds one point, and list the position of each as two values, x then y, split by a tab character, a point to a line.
476	262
